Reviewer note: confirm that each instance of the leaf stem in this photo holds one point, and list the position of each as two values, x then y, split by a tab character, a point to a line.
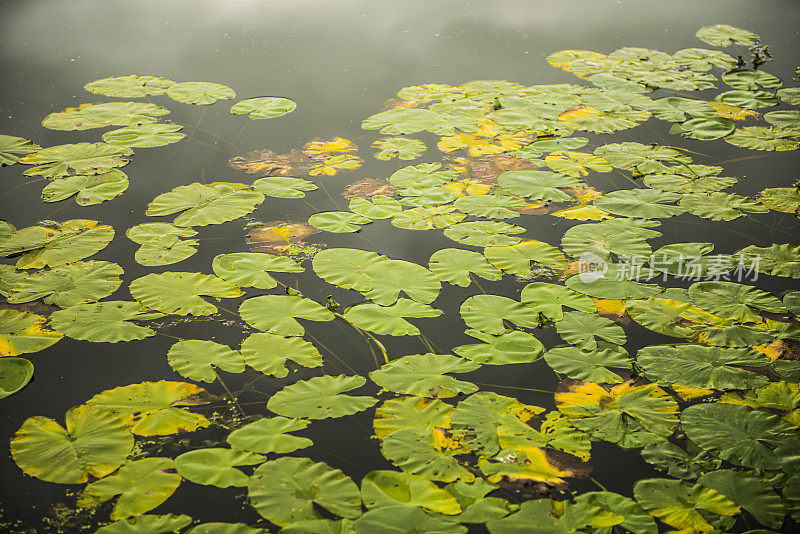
368	334
228	391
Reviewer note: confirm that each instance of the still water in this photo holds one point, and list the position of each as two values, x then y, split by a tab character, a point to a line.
339	61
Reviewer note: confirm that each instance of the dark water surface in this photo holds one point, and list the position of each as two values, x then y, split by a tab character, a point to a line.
339	61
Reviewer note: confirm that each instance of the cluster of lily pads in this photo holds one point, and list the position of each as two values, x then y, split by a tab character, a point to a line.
717	409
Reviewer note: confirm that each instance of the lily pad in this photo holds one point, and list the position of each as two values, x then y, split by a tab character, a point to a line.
88	190
401	121
216	466
550	299
490	206
200	93
426	452
678	503
180	293
264	107
704	128
484	233
161	243
79	158
131	86
91	116
390	320
583	329
141	485
456	266
719	206
425	375
284	186
725	35
748	492
621	237
576	163
347	267
765	138
56	244
778	259
507	348
15	373
270	434
147	524
748	99
376	207
104	322
542	516
518	259
145	135
422	175
248	269
703	59
320	397
338	221
392	488
751	80
276	313
93	443
68	285
641	203
488	313
426	218
12	147
733	301
198	359
784	118
23	332
268	353
589	365
205	204
538	185
390	278
399	147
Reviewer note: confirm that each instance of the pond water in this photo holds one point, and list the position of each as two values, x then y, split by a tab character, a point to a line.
340	62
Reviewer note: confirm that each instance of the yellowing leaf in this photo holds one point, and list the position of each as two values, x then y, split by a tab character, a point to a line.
584	195
531	464
688	393
774	350
331	165
468	187
576	163
731	112
582	213
485	141
613	309
324	149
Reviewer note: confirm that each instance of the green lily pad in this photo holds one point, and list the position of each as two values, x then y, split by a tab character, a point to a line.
347	267
476	506
15	373
704	128
88	190
678	109
748	99
641	203
264	107
538	185
582	329
248	269
56	244
276	313
268	353
155	408
147	524
679	183
377	207
777	259
703	59
550	299
686	464
751	80
508	348
517	259
205	204
790	95
161	243
93	443
180	293
200	93
270	434
477	419
602	239
399	147
141	485
426	196
426	218
390	320
401	413
104	322
68	285
541	516
225	528
390	278
488	313
748	492
23	332
11	148
401	121
733	301
284	186
320	397
338	221
198	359
765	138
392	488
589	365
403	520
643	159
678	503
719	206
102	115
216	466
79	158
131	86
418	451
422	175
490	206
725	35
425	375
702	367
784	118
484	233
455	266
144	135
613	281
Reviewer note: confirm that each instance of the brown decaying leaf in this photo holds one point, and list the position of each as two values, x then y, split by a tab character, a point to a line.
37	306
276	237
397	103
368	188
488	168
265	161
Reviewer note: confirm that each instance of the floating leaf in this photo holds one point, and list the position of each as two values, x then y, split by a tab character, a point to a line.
784	118
484	233
739	434
478	417
205	204
702	367
734	301
593	120
702	59
751	80
636	519
147	524
400	147
678	503
748	99
88	190
426	218
507	348
23	332
388	488
476	506
15	373
576	163
602	239
777	259
320	398
704	128
582	329
790	95
401	121
131	86
687	464
270	434
248	269
643	159
80	158
641	203
376	207
180	293
403	520
264	107
332	165
321	150
94	443
338	221
538	185
347	267
12	147
225	528
200	93
104	322
426	452
425	375
284	186
488	313
719	206
765	138
90	116
456	266
154	408
490	206
422	175
276	313
390	320
626	414
68	285
749	493
550	299
56	244
268	353
390	278
215	466
679	183
517	259
724	35
589	365
141	485
145	135
197	359
161	243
